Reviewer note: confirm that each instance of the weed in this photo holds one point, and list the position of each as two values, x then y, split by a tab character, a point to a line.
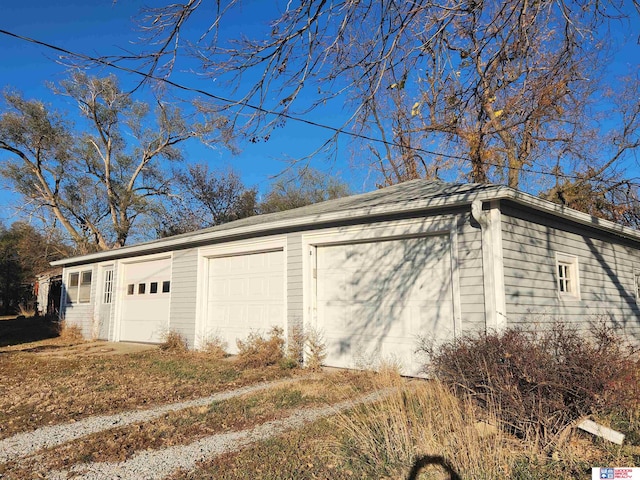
68	332
215	347
258	351
316	349
295	347
25	311
173	341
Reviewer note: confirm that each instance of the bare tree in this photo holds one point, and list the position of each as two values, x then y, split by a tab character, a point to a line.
496	89
96	182
205	198
300	187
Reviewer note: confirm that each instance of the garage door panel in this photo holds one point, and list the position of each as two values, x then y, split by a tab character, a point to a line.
253	296
376	298
145	316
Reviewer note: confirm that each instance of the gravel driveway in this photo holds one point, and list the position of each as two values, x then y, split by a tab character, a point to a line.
157	464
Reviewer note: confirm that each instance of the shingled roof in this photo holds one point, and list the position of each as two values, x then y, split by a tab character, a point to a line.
410	197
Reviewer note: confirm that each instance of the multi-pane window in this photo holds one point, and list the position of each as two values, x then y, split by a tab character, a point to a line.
636	283
565	282
79	287
108	286
567	277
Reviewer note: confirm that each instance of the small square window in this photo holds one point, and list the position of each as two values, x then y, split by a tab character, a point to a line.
567	276
141	288
166	286
153	287
130	289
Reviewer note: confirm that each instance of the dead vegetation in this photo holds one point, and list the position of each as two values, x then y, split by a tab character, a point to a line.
174	342
543	381
185	426
55	389
259	351
423	426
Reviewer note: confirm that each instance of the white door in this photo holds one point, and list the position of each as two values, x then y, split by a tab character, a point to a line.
246	293
146	301
376	299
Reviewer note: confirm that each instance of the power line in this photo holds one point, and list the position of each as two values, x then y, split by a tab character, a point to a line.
258	108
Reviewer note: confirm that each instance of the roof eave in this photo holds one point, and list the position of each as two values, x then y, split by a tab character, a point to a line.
230	234
498	192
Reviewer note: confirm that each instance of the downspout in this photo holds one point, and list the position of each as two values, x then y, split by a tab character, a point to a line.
490	222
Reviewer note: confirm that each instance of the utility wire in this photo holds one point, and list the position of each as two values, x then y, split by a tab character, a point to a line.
336	130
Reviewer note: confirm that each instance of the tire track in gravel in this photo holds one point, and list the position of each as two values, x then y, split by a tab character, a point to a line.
24	444
157	464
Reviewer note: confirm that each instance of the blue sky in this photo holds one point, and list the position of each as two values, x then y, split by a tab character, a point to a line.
104	27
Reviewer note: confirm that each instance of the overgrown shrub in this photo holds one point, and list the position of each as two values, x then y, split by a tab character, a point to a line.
174	342
540	381
257	351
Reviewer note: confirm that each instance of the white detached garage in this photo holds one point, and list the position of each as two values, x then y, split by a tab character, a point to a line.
374	273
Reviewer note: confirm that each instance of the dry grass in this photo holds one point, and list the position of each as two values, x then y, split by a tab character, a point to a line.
188	425
25	311
421	419
54	390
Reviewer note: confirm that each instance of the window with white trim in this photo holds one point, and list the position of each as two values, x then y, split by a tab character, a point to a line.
636	285
567	276
79	287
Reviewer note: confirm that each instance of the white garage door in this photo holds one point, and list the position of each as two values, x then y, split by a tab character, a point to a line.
246	294
146	301
375	299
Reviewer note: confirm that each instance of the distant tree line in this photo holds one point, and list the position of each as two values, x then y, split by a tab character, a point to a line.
24	253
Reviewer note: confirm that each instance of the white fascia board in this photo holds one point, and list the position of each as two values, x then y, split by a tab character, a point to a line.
498	192
570	214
